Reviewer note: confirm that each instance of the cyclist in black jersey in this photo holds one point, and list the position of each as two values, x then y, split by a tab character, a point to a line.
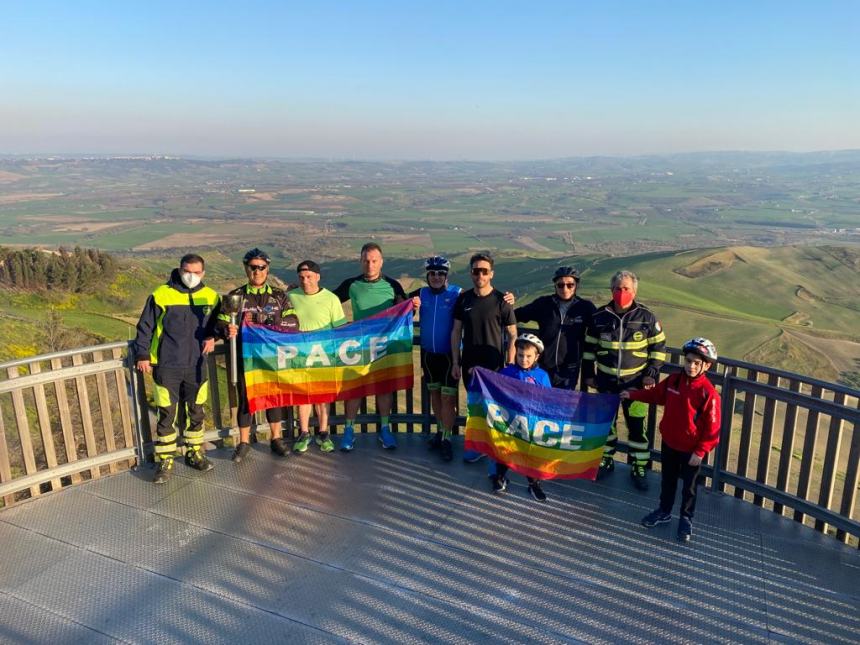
261	303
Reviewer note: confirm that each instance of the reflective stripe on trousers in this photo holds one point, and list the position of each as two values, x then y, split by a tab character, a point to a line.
634	416
179	396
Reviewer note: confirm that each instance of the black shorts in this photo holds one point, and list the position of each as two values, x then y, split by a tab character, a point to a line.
437	371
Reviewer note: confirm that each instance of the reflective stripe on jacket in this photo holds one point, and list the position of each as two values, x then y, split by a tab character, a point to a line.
620	350
174	323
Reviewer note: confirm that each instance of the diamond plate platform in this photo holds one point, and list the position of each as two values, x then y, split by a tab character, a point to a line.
399	547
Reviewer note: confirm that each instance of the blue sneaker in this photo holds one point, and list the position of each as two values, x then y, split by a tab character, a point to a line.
472	456
387	438
347	441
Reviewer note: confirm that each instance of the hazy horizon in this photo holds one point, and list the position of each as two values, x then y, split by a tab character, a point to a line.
448	82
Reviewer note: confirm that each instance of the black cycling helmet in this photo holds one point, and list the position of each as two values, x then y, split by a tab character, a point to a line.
256	254
566	272
437	263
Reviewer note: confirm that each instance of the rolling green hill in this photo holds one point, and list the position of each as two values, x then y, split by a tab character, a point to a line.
782	306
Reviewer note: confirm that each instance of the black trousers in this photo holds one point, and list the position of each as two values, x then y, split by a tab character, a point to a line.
676	466
179	395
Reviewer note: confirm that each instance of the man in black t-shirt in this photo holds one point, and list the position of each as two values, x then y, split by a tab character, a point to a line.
485	325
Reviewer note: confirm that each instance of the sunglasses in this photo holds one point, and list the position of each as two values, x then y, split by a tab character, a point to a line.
437	274
565	285
258	267
480	271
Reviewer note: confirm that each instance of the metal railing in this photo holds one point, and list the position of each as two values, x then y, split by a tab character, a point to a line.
789	443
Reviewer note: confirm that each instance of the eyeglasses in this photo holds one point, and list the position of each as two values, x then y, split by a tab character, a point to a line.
480	271
565	285
258	267
437	274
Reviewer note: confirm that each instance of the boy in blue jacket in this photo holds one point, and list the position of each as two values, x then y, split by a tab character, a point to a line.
529	348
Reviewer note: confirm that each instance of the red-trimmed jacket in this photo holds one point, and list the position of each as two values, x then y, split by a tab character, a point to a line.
691	419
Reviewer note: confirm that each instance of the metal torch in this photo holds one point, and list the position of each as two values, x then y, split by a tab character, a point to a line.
232	305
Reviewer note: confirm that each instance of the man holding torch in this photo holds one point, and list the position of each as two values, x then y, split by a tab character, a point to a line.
258	302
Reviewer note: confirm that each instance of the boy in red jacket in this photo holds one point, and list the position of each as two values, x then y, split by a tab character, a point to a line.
690	427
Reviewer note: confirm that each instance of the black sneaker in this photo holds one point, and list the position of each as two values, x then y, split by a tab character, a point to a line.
162	471
607	467
656	517
278	447
197	460
537	491
435	442
640	480
685	529
446	450
500	484
241	452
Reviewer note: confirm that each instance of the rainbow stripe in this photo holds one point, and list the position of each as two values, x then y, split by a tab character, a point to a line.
538	432
370	356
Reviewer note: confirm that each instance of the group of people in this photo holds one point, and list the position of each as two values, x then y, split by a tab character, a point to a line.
617	348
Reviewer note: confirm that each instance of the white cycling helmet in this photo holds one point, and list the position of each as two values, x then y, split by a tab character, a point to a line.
701	346
530	338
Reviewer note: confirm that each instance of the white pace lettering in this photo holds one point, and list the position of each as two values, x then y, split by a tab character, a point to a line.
285	354
519	427
317	355
546	433
496	414
378	345
571	436
343	352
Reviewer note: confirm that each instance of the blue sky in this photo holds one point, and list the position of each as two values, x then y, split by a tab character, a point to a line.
440	80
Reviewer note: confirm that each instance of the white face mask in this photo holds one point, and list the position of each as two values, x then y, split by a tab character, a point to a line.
189	279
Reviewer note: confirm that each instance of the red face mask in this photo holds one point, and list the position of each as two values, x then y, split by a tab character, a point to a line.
622	299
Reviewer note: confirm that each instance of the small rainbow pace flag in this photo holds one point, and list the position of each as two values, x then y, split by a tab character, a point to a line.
370	356
539	432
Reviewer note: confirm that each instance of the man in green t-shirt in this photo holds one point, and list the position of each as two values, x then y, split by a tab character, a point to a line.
370	293
317	308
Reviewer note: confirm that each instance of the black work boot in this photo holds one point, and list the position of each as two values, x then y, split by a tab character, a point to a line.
197	460
607	467
162	471
637	474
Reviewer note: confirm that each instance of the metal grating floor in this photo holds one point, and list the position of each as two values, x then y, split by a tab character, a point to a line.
399	547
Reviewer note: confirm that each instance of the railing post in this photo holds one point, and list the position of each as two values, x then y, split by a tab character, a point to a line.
726	413
789	427
807	461
852	478
425	407
135	381
831	461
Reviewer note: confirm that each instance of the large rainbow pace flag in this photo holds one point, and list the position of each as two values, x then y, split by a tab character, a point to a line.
370	356
540	432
